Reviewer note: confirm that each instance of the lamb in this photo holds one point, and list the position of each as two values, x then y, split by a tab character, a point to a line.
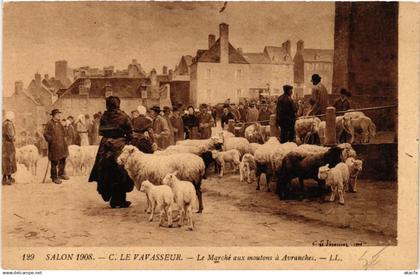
348	151
305	127
230	156
160	196
337	178
263	161
141	166
184	195
88	157
28	155
247	164
355	167
362	124
239	143
295	165
75	158
256	133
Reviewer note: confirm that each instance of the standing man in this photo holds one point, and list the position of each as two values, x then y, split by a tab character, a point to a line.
264	114
166	115
206	122
177	124
343	103
227	115
57	147
253	113
160	128
286	115
242	112
82	130
191	124
141	126
8	149
319	96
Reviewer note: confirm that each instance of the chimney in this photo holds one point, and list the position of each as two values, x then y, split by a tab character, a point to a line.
164	70
18	87
171	75
288	47
61	69
224	43
212	40
38	79
46	76
240	51
299	46
134	61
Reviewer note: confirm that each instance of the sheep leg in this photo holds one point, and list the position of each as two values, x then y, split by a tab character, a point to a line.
153	211
168	211
222	168
162	213
200	199
241	174
332	197
268	180
341	195
149	204
190	217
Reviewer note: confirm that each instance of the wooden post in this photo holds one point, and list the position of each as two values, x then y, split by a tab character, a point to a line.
231	126
330	135
274	129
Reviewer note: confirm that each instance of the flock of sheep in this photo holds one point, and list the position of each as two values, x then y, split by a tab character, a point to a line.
174	176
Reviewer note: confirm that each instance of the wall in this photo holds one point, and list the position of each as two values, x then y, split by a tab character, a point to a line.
180	92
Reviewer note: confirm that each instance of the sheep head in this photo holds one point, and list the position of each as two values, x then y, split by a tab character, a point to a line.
170	178
126	152
358	165
214	154
323	172
145	186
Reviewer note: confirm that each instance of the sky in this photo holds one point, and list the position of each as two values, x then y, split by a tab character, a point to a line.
99	34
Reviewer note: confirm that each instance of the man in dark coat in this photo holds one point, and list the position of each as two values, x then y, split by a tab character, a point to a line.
8	149
141	127
342	103
58	150
319	96
116	130
286	115
191	124
227	115
264	114
178	125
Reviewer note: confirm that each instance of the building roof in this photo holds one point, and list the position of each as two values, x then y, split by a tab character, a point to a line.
26	94
212	55
318	55
53	84
188	59
277	55
123	87
257	58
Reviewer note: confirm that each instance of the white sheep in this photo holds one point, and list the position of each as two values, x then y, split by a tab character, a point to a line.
88	157
336	178
355	167
305	127
75	158
279	152
348	151
256	132
141	167
22	175
205	144
161	197
176	149
364	124
253	147
231	156
310	149
247	164
28	155
185	197
263	161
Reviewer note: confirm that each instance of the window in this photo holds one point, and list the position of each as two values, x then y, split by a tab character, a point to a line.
238	92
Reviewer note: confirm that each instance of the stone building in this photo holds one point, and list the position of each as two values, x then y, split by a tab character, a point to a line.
308	62
222	71
180	81
86	95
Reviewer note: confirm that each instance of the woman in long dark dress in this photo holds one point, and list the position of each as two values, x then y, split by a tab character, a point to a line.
116	131
8	149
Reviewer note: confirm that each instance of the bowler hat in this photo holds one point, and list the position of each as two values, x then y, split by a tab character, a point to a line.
156	109
55	111
287	88
315	77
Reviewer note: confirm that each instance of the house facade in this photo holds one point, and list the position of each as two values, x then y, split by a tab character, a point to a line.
223	72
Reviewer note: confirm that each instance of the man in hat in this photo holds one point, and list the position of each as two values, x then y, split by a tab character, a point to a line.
177	124
166	115
206	122
342	103
319	95
58	151
264	114
227	115
286	115
160	128
191	124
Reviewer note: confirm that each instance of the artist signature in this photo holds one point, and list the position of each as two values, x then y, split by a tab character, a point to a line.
367	261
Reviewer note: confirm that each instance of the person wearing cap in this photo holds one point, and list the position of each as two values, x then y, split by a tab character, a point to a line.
82	130
242	112
160	133
206	121
58	150
343	103
226	116
9	166
264	114
116	130
141	127
319	95
167	115
253	113
286	115
177	124
191	124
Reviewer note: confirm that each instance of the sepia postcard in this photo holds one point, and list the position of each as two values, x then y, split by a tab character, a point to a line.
210	135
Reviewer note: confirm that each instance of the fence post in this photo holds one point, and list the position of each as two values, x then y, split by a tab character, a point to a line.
330	136
231	126
274	130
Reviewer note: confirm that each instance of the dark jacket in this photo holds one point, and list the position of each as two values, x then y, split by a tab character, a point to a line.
225	119
141	125
286	111
178	125
191	124
320	97
264	116
55	135
342	105
8	148
116	131
70	135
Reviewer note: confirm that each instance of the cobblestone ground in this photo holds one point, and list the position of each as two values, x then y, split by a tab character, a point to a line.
235	214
